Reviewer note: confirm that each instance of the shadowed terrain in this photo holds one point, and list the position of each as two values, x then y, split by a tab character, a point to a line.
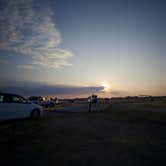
122	134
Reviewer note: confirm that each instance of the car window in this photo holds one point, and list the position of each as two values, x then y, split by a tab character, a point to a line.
7	99
18	99
1	98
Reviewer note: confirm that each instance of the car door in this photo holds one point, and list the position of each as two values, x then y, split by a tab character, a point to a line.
21	107
7	111
14	107
3	115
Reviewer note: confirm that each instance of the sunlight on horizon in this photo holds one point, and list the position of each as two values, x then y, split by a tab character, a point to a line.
106	86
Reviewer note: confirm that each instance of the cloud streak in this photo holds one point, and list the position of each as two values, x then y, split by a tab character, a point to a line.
28	89
30	32
119	93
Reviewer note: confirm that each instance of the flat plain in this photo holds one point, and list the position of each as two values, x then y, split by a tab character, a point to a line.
118	133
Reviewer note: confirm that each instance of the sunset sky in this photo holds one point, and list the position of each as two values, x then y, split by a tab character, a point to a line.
72	48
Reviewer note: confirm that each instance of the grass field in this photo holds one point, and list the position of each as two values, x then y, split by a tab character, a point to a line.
121	134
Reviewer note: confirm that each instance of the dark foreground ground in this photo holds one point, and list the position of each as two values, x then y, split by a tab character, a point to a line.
122	134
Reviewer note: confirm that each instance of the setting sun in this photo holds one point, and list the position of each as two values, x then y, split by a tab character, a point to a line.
106	86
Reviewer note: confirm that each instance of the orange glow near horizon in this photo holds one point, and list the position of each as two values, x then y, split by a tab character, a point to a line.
106	86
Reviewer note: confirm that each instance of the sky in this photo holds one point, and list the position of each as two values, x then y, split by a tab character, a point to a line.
73	48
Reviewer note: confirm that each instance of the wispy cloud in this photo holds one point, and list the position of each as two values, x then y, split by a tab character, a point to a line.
3	62
30	32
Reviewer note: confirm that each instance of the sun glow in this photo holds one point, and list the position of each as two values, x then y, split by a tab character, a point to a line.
106	86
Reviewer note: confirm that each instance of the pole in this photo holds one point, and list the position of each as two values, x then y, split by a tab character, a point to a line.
90	103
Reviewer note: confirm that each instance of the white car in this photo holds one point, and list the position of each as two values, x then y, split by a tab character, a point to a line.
16	107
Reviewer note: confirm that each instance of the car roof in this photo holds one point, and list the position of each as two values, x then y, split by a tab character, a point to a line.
9	94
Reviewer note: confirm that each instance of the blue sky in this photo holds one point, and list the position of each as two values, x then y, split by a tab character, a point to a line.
115	46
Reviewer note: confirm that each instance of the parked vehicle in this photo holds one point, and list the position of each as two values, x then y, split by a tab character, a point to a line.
13	106
37	100
59	101
49	103
92	99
